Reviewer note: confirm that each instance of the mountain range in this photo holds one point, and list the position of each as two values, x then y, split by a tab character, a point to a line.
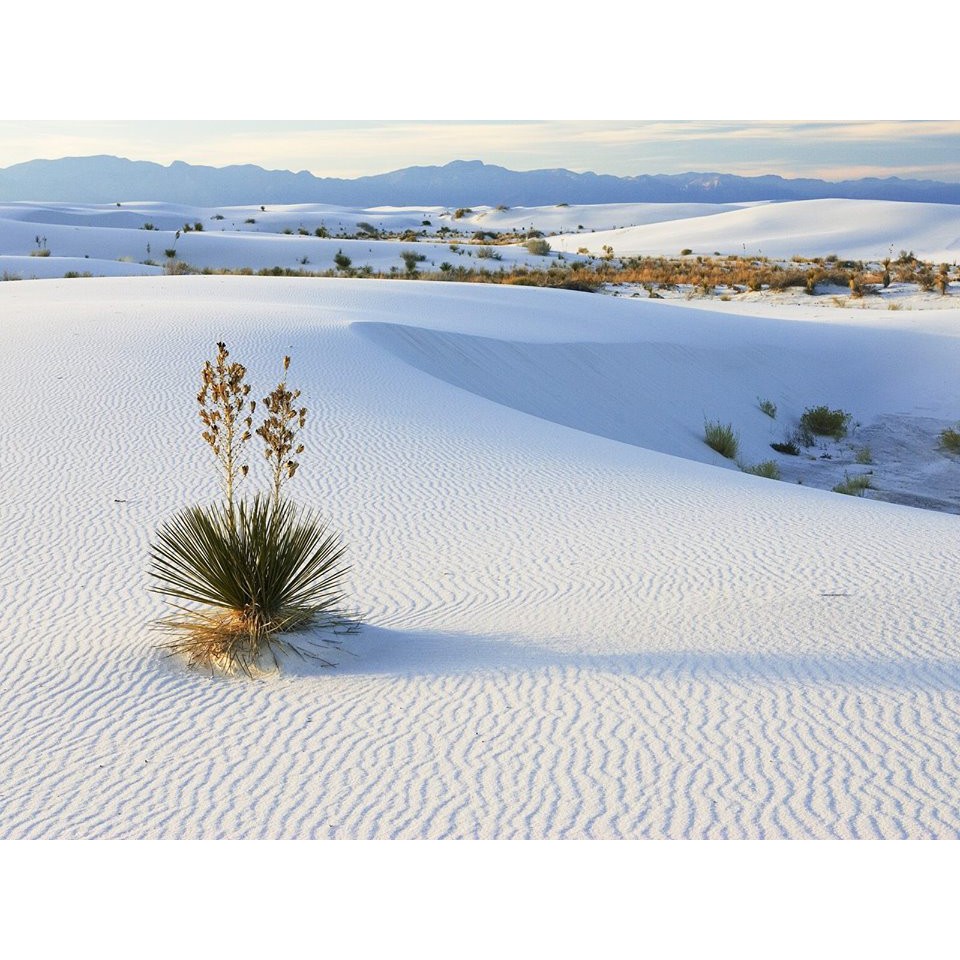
108	179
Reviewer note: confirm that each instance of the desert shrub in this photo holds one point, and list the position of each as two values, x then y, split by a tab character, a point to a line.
461	212
824	422
768	407
251	569
722	438
863	455
411	258
341	260
788	447
44	252
485	252
74	275
177	268
367	229
950	440
250	220
853	486
321	232
150	226
685	252
538	247
785	279
767	468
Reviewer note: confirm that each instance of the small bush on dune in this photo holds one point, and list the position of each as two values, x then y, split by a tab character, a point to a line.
853	486
539	248
768	407
824	422
722	438
253	570
788	447
950	440
767	468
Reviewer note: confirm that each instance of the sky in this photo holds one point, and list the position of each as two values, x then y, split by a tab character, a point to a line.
110	77
827	150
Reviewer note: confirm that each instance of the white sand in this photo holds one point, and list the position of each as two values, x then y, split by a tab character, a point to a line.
569	634
852	229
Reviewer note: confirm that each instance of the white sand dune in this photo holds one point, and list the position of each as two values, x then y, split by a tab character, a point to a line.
112	240
568	634
853	229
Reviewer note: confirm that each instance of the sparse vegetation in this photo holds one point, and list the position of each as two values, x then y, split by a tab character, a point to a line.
853	486
341	260
766	468
411	258
722	438
823	422
768	407
863	455
788	447
538	247
950	440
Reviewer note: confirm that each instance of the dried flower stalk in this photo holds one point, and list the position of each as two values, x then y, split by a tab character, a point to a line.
279	432
227	417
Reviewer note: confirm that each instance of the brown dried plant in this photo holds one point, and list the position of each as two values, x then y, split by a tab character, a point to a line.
227	417
279	432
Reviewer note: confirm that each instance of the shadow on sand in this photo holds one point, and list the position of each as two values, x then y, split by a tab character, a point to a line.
381	651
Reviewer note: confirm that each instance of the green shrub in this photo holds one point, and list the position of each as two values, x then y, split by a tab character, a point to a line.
722	438
863	455
950	440
170	253
853	486
824	422
485	252
341	260
261	570
685	252
539	248
767	468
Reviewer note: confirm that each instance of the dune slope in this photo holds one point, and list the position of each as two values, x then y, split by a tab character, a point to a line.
567	635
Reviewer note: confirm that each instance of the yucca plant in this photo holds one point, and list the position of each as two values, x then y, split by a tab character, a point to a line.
266	569
243	572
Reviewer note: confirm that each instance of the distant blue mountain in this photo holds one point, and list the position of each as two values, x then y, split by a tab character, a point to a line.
105	179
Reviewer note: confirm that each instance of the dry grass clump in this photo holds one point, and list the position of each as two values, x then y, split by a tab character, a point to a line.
722	438
249	570
853	486
766	468
768	407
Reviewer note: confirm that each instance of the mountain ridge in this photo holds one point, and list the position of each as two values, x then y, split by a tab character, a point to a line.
107	179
